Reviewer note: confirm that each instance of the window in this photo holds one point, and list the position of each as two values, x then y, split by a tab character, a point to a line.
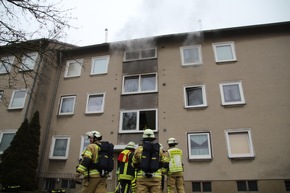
139	84
84	143
100	65
49	183
6	139
18	99
232	93
195	96
28	61
201	186
287	185
1	94
244	185
95	103
138	120
73	68
140	54
199	146
191	55
224	52
239	143
68	184
59	147
67	104
6	64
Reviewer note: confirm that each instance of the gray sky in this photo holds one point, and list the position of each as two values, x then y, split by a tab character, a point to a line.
129	19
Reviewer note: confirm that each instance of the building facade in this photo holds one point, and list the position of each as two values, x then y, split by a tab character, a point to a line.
223	94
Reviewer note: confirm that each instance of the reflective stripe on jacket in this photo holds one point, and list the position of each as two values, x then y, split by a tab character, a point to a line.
125	168
175	164
92	154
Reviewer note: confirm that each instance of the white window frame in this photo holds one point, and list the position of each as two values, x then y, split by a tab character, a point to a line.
1	94
21	105
139	52
88	100
197	157
107	58
61	102
223	97
28	61
84	142
220	44
6	64
52	147
139	84
183	62
79	70
202	87
137	129
251	153
2	133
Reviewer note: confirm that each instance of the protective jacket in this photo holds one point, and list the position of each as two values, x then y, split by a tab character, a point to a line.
125	168
141	175
90	156
175	164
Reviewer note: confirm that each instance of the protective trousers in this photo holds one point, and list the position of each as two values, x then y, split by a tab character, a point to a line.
94	185
124	186
175	182
148	186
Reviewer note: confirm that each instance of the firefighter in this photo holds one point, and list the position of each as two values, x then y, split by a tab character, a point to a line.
125	171
175	173
148	183
93	182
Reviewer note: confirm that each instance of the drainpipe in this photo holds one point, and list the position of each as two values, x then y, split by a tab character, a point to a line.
34	79
50	113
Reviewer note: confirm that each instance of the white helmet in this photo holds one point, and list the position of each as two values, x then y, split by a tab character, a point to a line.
172	141
148	135
94	134
131	145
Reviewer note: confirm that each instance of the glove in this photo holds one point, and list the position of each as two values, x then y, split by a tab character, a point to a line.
77	178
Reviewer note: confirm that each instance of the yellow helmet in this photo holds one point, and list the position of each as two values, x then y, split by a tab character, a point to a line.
131	145
148	134
172	141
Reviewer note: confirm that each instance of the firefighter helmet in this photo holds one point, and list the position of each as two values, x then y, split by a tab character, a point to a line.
172	141
94	134
148	134
131	145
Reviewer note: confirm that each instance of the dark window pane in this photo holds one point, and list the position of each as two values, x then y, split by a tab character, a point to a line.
287	185
147	120
206	186
241	185
196	187
253	186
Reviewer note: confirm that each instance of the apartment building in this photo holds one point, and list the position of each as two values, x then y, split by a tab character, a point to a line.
223	94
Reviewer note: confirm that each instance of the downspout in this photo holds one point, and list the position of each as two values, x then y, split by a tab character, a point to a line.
50	113
34	79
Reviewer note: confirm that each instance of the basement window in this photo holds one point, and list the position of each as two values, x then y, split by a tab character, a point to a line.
201	187
140	54
247	185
